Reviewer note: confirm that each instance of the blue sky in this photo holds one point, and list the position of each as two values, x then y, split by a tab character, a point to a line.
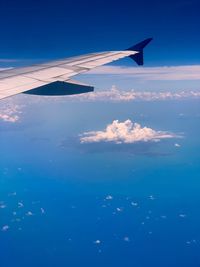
37	30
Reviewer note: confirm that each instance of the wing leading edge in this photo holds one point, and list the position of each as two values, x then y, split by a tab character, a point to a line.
54	78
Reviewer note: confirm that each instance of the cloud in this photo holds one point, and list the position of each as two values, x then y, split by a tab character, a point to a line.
177	145
2	69
5	228
116	95
10	112
112	95
125	132
187	72
8	118
10	108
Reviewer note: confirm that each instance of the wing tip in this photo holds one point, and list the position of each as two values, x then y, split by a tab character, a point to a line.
139	57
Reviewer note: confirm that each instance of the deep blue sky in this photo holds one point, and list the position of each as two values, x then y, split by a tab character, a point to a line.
53	29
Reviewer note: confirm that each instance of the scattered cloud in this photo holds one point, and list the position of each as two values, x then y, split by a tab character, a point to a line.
111	95
116	95
9	118
97	242
126	239
29	213
187	72
5	228
109	197
177	145
10	112
125	132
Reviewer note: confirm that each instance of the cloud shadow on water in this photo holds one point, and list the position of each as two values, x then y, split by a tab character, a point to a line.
150	149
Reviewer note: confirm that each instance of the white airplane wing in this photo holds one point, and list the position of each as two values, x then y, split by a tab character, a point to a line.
54	78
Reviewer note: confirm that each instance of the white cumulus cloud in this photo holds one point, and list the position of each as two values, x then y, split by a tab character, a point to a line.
125	132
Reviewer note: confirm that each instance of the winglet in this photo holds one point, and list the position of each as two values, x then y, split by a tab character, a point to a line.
139	58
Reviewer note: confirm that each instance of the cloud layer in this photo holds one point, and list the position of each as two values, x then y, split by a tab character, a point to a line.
190	72
125	132
11	109
116	95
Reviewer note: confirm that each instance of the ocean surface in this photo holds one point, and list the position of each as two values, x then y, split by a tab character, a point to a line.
63	203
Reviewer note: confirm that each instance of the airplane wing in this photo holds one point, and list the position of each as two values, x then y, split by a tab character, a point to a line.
54	78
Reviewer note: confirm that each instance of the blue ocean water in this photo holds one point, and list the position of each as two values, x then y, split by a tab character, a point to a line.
71	204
